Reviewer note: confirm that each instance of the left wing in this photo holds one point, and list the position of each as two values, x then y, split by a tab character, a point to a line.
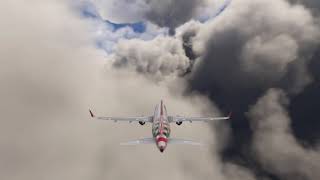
179	119
140	119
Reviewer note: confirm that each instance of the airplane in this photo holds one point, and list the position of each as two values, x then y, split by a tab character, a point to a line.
161	126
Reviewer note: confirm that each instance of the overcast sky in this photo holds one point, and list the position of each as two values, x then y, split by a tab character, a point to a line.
257	58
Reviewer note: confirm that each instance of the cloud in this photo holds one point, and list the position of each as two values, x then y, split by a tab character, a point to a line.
159	58
169	13
51	74
274	143
313	5
172	13
123	11
166	13
260	39
235	59
252	47
107	33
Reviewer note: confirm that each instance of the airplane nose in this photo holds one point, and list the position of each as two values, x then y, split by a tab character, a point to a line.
162	145
162	148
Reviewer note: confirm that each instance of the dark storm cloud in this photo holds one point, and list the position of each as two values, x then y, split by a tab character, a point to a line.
186	33
313	5
254	48
260	49
172	13
305	106
274	144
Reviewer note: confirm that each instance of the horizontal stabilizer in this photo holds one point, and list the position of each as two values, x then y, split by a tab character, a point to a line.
138	142
184	141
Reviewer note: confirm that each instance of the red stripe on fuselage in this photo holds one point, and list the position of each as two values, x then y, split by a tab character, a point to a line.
162	139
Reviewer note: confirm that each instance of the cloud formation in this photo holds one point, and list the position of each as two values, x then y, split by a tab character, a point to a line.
268	46
172	13
108	33
236	59
166	13
255	46
274	143
158	58
52	73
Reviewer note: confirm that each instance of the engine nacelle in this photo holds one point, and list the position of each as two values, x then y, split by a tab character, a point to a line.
142	123
179	123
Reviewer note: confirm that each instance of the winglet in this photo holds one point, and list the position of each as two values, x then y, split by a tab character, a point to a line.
230	114
91	114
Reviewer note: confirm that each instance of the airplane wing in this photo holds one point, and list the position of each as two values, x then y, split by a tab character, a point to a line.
179	119
139	141
184	141
142	119
170	141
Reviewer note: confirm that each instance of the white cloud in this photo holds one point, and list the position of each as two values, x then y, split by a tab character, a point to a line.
122	11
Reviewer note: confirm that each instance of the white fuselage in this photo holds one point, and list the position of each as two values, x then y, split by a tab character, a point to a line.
161	127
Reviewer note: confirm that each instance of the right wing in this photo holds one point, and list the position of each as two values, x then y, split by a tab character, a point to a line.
139	141
184	141
143	119
179	119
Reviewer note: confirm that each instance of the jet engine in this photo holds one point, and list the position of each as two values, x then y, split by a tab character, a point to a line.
179	123
142	123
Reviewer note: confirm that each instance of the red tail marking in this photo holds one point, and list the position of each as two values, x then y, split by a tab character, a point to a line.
162	139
